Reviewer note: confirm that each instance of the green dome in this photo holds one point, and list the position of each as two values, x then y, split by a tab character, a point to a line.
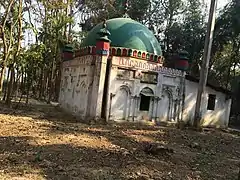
127	33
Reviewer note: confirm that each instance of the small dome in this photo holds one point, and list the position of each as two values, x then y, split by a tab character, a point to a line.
126	33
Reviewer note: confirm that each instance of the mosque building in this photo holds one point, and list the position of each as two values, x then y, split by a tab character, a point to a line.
118	75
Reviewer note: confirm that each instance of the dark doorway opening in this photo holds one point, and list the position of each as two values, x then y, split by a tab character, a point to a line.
145	103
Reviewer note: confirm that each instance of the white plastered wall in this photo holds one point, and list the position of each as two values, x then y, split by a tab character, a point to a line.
81	96
219	117
75	82
125	102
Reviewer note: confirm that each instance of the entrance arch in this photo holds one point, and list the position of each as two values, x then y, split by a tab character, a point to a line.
146	95
146	104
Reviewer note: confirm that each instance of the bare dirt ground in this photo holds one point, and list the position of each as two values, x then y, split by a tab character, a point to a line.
41	142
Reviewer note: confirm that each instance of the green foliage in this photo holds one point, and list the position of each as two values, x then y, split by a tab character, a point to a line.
193	35
226	44
139	9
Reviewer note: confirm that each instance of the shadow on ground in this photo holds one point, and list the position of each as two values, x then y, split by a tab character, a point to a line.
56	146
61	161
65	161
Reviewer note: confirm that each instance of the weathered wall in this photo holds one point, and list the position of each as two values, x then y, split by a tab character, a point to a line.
99	74
217	117
75	84
125	101
83	82
171	95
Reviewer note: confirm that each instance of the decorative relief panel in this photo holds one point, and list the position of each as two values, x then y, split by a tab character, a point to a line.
84	60
125	73
168	88
148	77
173	90
169	80
171	72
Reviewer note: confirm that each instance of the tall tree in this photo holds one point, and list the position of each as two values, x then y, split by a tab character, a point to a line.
6	29
18	37
193	34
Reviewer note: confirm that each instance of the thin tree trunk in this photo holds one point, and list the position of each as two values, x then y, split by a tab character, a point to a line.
10	85
40	84
19	101
51	84
22	82
65	28
25	85
27	96
29	82
2	75
17	85
6	46
46	82
234	69
6	87
21	85
235	53
70	24
28	91
43	84
30	19
58	84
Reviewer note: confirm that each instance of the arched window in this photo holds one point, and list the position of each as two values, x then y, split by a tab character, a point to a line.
146	95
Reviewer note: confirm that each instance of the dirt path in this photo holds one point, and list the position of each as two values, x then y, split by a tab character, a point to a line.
41	142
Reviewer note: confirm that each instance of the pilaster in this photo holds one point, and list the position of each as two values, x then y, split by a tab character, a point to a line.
100	85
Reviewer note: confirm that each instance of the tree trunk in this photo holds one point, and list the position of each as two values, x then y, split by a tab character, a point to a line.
70	24
235	53
6	87
28	91
30	18
10	86
65	28
58	84
51	86
22	83
45	85
29	82
19	38
40	83
7	42
25	84
19	101
17	85
2	75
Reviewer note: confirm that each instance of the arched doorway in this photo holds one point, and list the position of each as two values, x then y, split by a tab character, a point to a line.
145	98
145	106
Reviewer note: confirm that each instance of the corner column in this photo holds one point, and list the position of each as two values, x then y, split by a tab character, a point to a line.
100	82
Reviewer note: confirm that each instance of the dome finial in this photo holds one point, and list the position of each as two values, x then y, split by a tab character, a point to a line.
104	33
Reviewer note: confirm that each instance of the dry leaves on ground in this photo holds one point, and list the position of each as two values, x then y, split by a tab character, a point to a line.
41	142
